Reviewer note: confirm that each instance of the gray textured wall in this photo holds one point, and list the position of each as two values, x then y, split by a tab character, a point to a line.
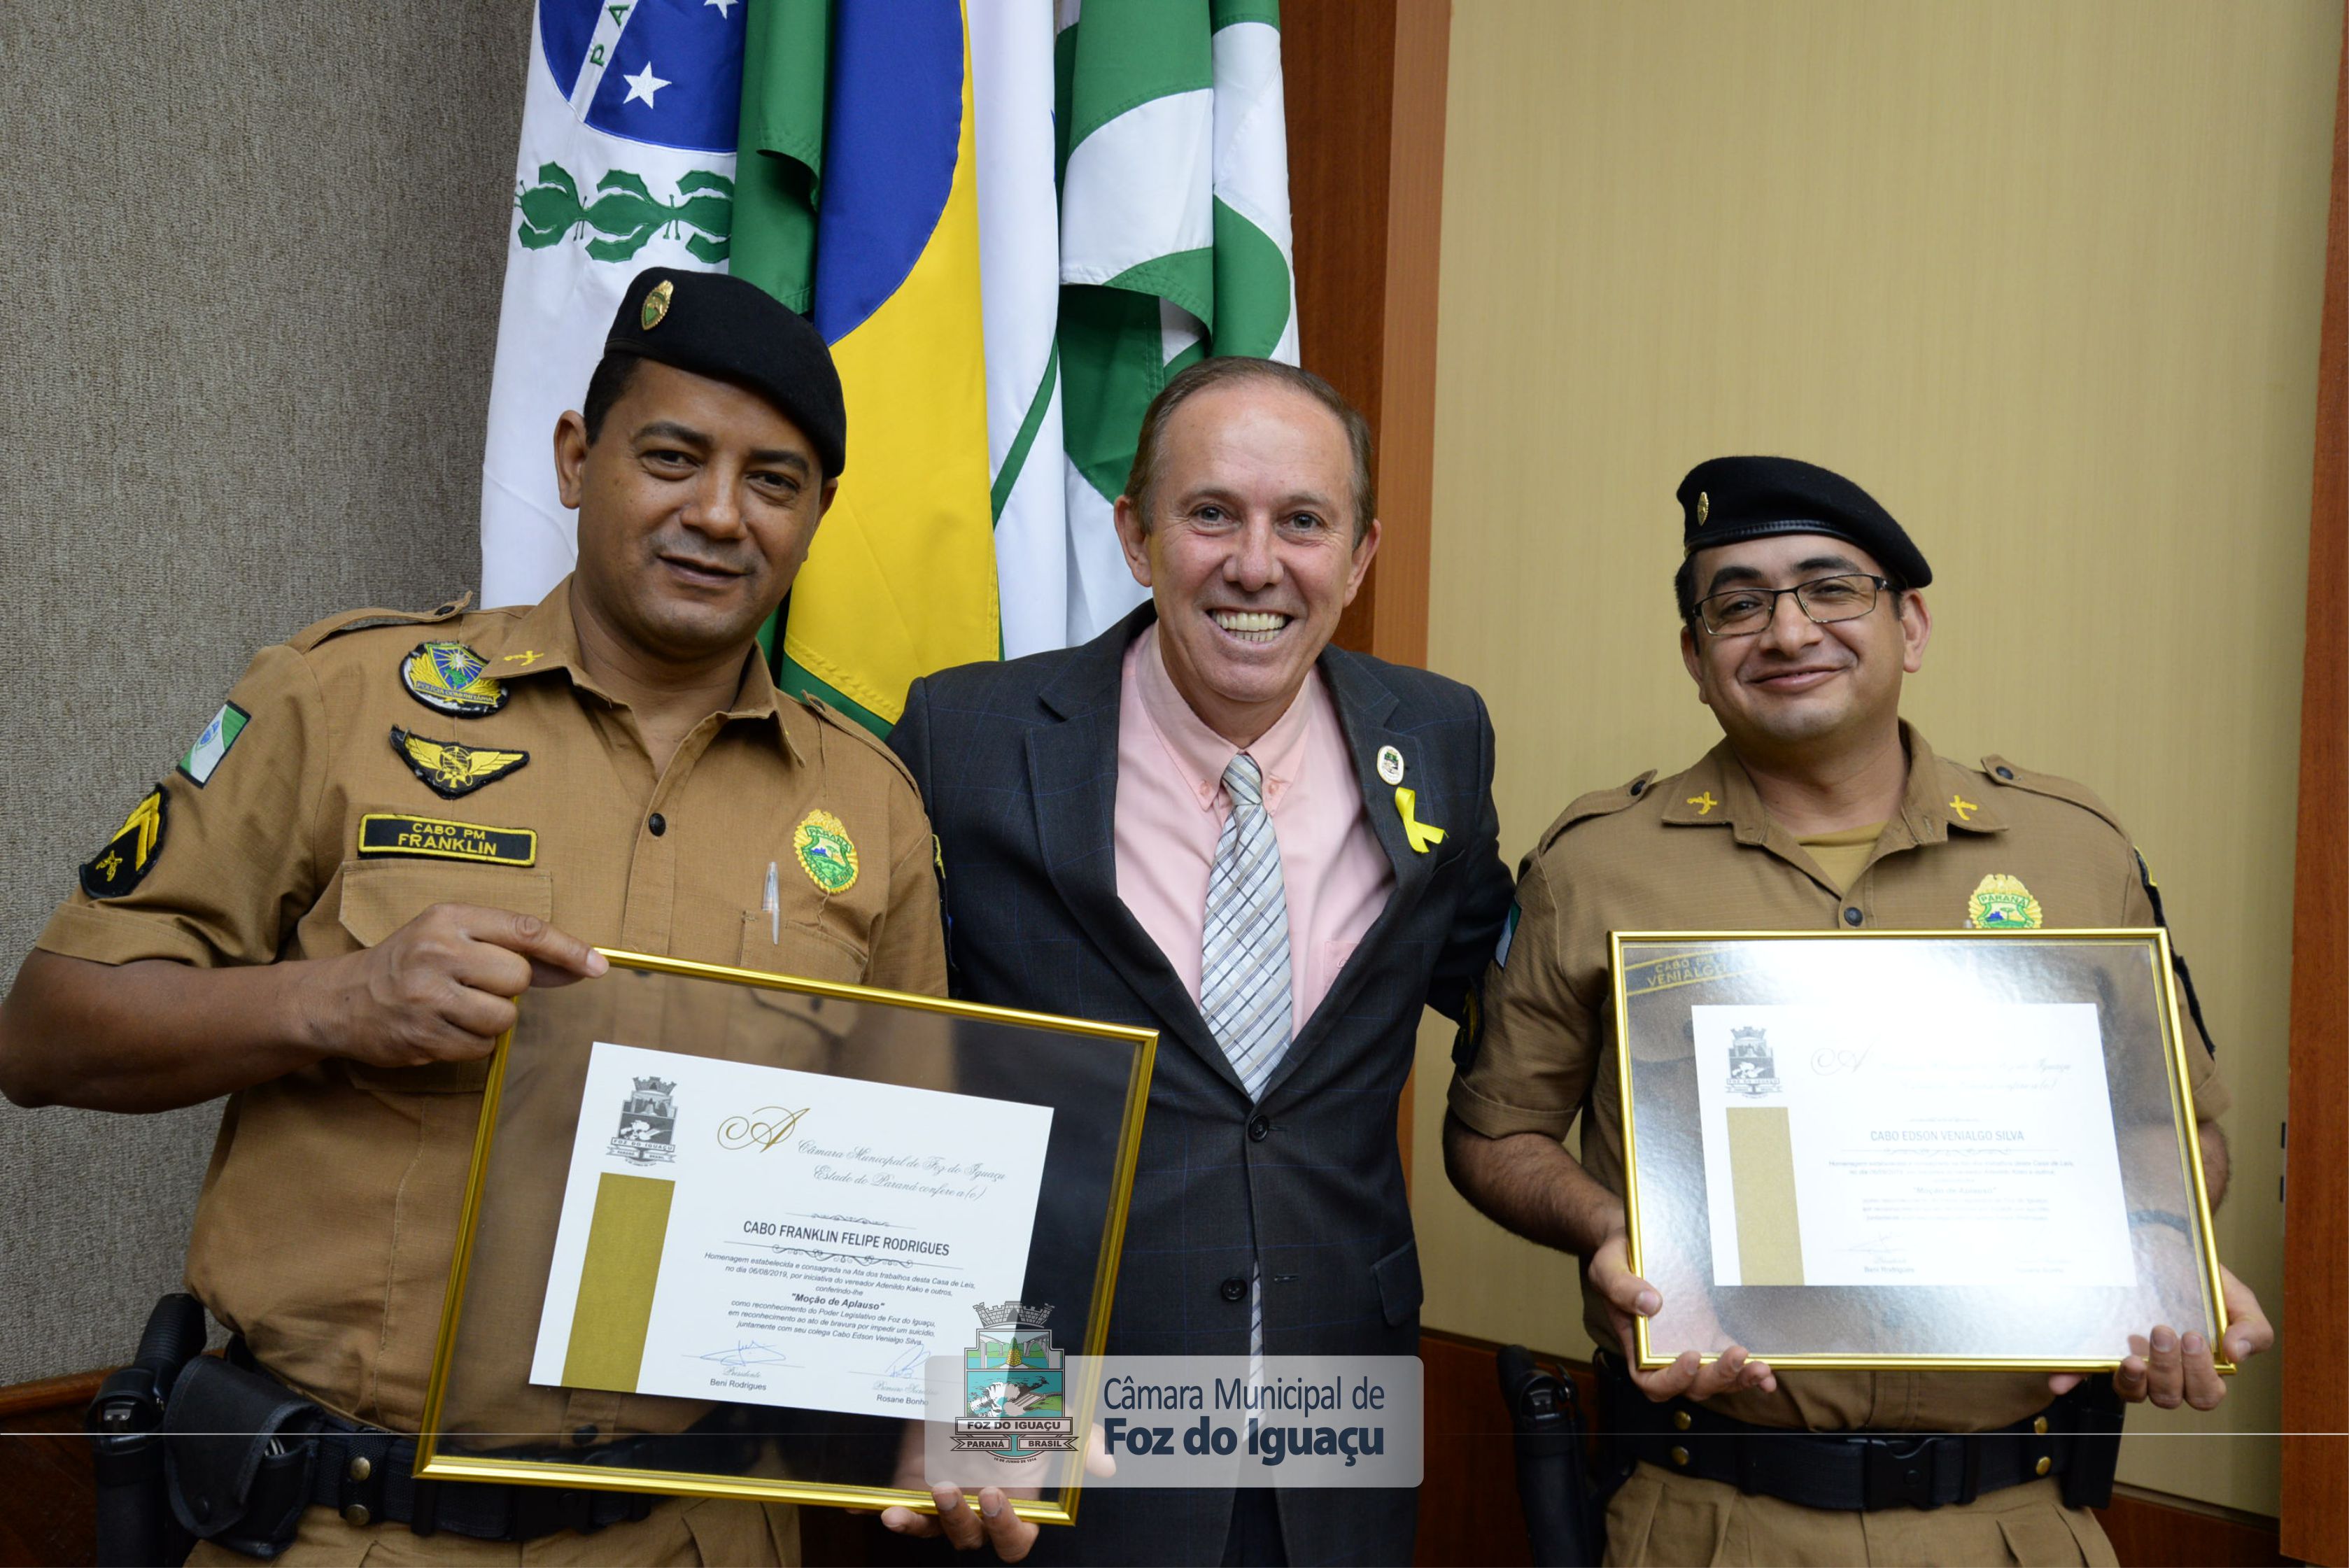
250	256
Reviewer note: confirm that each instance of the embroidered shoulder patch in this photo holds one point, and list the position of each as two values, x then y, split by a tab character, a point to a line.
130	853
450	769
825	851
390	833
2000	903
446	678
212	744
1469	1038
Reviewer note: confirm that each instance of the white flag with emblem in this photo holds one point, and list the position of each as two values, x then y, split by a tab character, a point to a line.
626	162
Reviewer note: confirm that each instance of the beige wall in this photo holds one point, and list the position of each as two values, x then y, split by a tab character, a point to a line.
2046	280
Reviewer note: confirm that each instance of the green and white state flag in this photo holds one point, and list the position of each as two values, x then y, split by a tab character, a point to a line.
1171	228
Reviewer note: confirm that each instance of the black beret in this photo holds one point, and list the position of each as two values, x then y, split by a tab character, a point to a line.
1725	499
721	326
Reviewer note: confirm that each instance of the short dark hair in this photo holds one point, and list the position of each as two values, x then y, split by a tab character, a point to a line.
1231	369
1684	590
606	388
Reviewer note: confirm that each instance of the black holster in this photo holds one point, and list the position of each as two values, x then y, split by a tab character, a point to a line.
135	1527
1565	1523
2093	1412
238	1470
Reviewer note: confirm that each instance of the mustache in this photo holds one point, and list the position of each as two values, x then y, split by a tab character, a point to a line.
701	552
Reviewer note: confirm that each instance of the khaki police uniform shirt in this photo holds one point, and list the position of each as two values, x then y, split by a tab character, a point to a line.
327	1219
1698	852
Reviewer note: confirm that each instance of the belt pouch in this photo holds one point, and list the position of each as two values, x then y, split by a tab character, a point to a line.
239	1455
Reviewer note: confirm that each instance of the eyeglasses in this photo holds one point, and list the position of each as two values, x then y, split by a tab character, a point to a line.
1740	611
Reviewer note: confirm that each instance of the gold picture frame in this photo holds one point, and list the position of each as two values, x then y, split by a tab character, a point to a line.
1659	979
483	1421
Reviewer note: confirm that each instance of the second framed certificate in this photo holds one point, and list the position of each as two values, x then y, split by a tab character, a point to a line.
1912	1149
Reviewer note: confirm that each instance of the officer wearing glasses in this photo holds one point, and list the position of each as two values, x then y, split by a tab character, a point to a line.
1819	810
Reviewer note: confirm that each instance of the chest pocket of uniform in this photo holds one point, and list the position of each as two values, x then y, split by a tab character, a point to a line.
788	946
382	896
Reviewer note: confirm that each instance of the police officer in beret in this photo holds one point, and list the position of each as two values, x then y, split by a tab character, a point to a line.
1819	810
396	825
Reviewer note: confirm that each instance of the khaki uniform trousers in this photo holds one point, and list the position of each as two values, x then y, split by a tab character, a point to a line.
1683	1520
680	1532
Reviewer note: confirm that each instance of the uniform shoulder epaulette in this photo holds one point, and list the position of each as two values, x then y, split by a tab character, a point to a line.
1597	803
310	636
840	721
2003	772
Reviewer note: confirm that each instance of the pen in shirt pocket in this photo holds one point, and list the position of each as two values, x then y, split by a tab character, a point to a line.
773	906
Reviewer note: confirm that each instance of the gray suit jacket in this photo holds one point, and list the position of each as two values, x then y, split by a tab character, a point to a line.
1017	766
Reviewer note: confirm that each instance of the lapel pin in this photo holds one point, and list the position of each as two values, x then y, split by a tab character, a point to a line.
1389	764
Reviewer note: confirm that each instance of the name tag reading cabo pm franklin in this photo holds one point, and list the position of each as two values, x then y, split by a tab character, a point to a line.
392	833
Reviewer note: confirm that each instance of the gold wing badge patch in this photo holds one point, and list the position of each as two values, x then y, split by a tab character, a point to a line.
452	770
2000	903
130	853
446	678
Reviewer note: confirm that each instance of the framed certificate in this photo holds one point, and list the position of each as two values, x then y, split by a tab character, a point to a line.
719	1222
1910	1149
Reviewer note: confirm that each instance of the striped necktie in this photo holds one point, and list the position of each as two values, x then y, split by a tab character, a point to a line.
1244	988
1244	966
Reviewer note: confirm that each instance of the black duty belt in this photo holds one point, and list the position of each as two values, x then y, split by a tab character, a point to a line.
2076	1439
245	1457
369	1477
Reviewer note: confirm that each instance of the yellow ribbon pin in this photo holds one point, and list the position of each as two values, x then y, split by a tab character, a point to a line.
1424	836
1703	803
1964	808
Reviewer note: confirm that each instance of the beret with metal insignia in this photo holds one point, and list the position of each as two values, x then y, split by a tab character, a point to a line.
1725	499
732	330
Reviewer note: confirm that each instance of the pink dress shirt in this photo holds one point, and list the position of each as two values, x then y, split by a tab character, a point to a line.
1170	807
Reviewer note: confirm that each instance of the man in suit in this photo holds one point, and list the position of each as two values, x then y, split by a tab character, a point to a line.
1210	822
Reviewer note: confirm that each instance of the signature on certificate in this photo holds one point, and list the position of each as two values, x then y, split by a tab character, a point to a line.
907	1368
746	1353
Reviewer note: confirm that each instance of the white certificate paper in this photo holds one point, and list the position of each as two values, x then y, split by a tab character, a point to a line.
1959	1145
760	1235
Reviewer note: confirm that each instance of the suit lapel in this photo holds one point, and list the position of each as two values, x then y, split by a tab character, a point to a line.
1073	769
1364	704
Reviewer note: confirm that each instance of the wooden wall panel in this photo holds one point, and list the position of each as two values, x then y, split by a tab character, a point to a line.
1364	82
1469	1511
2316	1168
47	1489
1337	63
1365	85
